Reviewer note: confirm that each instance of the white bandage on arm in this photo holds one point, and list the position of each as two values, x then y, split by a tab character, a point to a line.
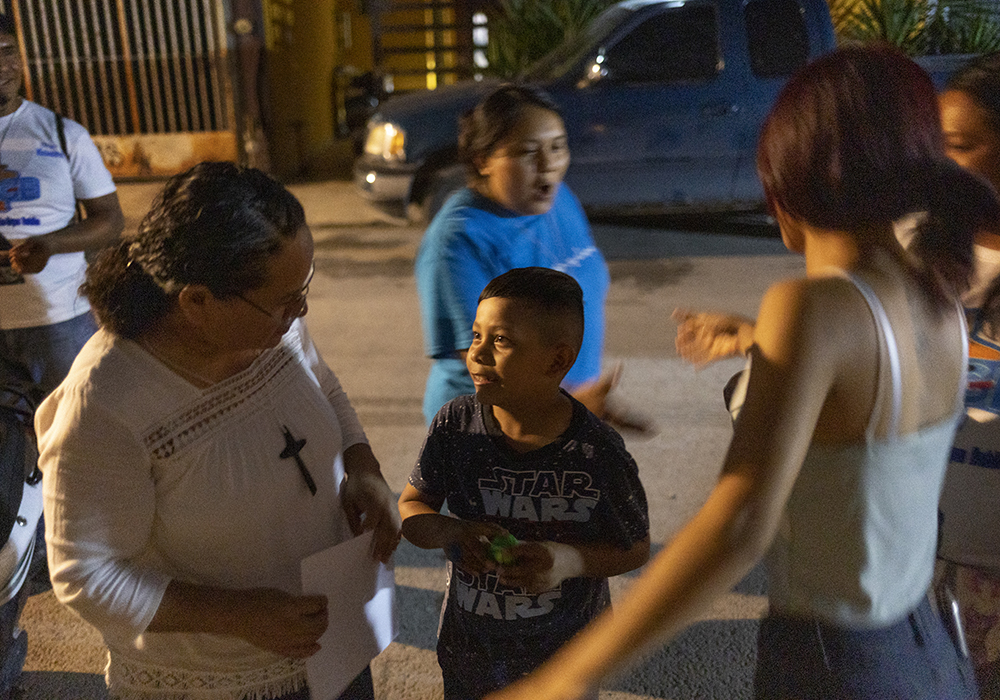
567	562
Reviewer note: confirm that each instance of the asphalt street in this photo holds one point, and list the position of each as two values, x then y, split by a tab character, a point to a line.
364	317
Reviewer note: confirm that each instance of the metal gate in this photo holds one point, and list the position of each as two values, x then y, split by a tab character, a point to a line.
148	78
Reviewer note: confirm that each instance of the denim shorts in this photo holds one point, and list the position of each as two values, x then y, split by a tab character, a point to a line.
913	659
361	688
40	357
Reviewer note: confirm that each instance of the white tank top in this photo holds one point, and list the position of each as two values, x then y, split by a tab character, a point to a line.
857	542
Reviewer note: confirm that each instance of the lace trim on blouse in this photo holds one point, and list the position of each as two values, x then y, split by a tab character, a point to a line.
128	680
218	404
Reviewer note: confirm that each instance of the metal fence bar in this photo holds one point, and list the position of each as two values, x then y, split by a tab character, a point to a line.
199	66
108	70
43	93
15	11
126	59
177	51
92	97
216	62
162	68
189	70
64	67
134	55
147	91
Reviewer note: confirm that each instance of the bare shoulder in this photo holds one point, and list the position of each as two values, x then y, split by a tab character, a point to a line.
807	315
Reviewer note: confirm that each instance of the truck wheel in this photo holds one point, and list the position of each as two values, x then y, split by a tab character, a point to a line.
443	184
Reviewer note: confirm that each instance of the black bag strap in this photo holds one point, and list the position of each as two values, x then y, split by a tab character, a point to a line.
61	133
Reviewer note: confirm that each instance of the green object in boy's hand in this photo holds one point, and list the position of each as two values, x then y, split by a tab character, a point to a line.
499	549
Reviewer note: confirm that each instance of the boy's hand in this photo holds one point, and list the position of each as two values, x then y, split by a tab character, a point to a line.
469	546
541	566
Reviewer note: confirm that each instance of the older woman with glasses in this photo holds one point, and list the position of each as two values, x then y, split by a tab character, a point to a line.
200	448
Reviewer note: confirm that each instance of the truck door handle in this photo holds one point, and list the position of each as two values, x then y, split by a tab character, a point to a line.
719	110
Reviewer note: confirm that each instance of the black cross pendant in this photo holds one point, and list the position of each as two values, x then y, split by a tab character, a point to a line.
292	449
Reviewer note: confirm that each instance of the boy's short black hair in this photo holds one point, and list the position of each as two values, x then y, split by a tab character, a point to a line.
557	296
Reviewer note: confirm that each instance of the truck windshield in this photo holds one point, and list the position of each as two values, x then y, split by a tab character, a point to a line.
559	61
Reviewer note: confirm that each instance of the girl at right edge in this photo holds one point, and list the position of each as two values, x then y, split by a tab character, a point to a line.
855	392
969	551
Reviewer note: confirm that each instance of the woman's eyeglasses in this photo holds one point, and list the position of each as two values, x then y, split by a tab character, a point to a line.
291	308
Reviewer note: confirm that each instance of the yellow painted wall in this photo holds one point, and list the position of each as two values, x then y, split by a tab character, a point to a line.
354	50
301	56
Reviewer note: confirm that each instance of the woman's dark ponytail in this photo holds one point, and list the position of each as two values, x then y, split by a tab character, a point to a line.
958	204
126	300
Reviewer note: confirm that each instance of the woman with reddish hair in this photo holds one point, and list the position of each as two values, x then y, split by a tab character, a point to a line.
855	390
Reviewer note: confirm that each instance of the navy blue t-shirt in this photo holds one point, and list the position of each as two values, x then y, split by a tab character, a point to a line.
583	488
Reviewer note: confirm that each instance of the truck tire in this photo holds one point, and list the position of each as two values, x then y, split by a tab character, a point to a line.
443	183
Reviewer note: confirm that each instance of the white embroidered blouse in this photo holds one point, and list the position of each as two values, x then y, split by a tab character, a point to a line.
149	478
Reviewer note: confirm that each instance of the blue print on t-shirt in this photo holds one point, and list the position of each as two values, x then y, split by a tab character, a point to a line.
18	189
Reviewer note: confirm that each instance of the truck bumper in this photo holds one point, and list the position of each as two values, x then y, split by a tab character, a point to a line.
386	188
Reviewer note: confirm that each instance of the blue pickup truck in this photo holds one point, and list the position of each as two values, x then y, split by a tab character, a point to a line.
662	100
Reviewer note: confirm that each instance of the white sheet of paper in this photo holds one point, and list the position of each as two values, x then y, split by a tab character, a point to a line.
362	609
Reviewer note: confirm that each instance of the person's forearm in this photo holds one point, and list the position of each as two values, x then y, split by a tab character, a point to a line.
187	607
359	459
744	336
603	561
268	618
93	233
704	561
427	529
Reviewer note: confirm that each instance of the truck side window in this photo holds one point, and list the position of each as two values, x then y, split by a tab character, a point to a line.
777	37
678	45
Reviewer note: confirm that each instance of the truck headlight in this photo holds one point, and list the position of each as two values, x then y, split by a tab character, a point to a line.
386	140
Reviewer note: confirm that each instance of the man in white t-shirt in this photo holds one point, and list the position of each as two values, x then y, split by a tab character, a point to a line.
43	174
47	165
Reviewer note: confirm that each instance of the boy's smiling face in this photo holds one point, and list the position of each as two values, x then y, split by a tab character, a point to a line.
509	360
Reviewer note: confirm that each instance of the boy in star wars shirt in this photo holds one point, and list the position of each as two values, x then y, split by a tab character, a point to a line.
525	458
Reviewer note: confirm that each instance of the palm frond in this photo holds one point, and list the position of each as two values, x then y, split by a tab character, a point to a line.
920	27
899	22
522	31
